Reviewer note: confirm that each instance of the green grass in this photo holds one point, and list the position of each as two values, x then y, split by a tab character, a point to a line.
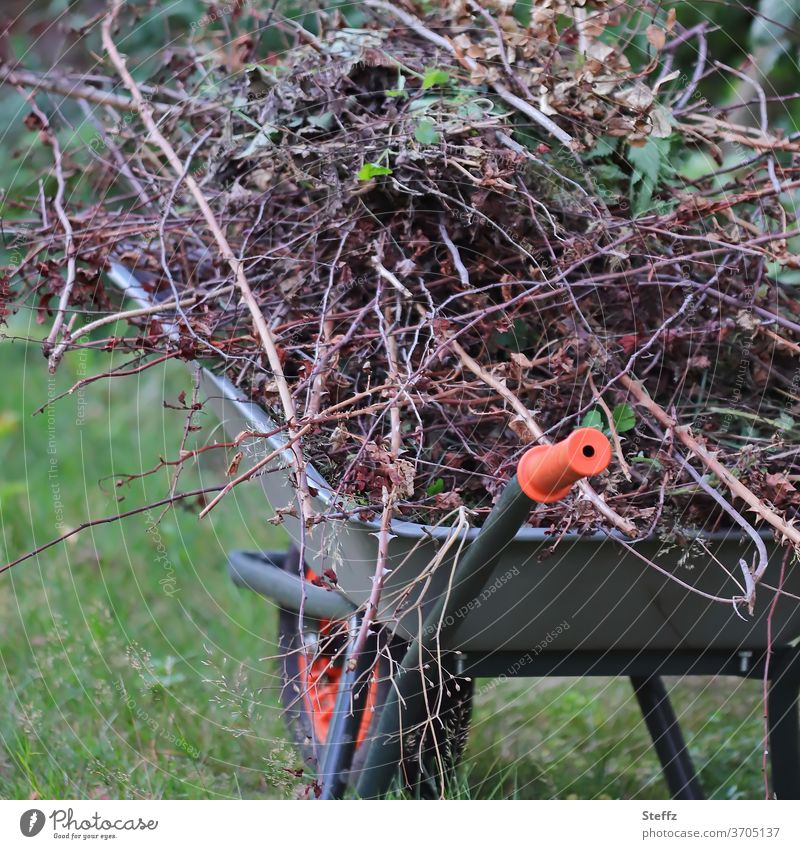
120	673
123	675
565	738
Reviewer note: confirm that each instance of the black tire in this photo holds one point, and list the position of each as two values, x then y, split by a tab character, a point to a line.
432	762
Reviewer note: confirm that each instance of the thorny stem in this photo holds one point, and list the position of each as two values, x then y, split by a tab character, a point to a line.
536	431
736	487
378	579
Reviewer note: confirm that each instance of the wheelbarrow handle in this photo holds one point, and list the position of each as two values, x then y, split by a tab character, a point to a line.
545	473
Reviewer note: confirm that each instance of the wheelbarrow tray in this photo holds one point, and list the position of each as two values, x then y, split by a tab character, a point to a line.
576	592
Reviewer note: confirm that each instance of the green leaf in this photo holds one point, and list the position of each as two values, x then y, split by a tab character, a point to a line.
371	169
324	121
521	337
426	132
651	461
434	77
650	163
594	418
779	272
608	173
436	487
400	91
624	418
602	147
645	161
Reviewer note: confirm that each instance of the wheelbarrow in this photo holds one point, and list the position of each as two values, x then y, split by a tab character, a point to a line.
499	601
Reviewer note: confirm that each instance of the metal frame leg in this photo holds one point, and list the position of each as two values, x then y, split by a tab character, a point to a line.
667	738
784	722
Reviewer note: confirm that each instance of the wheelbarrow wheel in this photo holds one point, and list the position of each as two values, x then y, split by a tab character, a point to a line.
310	679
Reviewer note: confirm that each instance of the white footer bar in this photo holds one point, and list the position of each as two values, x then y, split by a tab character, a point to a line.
390	825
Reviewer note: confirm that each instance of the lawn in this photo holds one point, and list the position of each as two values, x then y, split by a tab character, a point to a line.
131	666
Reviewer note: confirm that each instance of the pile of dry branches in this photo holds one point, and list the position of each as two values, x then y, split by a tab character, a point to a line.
429	242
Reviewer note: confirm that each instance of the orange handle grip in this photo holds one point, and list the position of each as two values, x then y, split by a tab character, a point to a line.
546	473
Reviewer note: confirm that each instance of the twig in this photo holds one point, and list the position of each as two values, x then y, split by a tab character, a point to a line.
69	239
126	315
308	425
764	118
317	385
536	431
391	278
22	78
106	521
117	372
579	16
119	159
194	408
626	469
736	487
672	577
378	579
699	67
256	467
236	265
394	410
740	520
463	274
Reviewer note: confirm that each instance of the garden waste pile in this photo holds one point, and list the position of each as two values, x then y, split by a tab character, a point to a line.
428	241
